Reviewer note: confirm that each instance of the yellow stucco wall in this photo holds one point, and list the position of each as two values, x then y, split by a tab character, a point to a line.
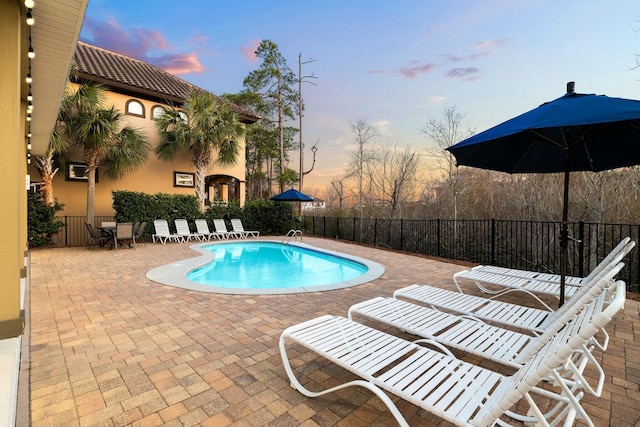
156	176
13	170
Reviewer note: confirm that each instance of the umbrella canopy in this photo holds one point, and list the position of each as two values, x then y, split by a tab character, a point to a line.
292	195
576	132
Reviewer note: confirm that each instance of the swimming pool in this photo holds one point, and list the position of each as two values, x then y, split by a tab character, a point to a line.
266	267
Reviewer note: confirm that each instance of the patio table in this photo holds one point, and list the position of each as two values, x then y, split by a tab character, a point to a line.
109	230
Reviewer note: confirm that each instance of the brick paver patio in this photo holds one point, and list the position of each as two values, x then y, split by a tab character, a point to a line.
109	347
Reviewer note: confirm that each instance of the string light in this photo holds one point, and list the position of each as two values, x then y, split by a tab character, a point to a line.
30	54
30	20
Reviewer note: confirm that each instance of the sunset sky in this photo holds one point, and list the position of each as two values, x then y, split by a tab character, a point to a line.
395	64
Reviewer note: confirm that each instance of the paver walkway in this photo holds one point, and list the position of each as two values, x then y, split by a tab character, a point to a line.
112	348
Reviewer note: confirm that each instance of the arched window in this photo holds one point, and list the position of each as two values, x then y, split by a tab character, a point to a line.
134	108
156	112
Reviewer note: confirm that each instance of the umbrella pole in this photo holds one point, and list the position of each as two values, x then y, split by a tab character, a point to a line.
564	234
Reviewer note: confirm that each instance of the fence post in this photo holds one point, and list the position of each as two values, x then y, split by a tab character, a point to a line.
401	235
438	237
581	248
493	241
337	227
375	232
354	229
66	230
324	226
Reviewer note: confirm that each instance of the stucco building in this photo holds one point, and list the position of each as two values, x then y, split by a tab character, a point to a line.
141	91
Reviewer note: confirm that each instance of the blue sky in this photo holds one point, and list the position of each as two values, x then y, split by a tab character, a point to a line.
394	63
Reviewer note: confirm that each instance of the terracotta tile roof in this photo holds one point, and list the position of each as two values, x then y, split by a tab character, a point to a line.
124	73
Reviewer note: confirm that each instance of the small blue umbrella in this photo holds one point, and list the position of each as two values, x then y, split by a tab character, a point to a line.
292	195
576	132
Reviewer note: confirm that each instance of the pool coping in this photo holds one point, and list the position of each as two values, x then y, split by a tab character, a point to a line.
175	273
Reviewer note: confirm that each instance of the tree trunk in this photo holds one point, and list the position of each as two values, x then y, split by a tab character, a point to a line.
45	167
199	183
91	159
281	132
91	195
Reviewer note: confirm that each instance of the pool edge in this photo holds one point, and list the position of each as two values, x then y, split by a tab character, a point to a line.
175	273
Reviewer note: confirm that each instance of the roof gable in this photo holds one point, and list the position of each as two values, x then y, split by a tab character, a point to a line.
122	72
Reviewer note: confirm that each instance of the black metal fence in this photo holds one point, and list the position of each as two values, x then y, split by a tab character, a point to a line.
529	245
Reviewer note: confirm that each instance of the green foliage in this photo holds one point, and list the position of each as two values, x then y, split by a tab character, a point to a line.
135	206
41	221
289	177
268	217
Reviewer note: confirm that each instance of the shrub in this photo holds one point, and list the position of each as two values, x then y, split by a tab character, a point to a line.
264	215
41	221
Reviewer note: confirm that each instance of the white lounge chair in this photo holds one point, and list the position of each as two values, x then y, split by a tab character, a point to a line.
527	318
221	228
182	229
459	392
162	233
528	281
236	224
445	330
202	228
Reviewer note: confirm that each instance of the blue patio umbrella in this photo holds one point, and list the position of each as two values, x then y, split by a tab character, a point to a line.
292	195
576	132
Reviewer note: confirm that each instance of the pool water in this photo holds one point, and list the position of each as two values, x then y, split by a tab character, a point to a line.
268	265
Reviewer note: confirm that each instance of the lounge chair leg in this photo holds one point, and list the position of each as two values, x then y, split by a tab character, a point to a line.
362	383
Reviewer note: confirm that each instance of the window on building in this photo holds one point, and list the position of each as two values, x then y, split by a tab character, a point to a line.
134	108
156	112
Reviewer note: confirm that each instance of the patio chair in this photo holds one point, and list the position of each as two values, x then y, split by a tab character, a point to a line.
451	331
459	392
202	228
528	281
138	232
531	319
221	228
162	233
236	224
182	229
94	238
124	235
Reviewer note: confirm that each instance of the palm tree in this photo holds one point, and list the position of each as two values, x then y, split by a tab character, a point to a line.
99	132
210	132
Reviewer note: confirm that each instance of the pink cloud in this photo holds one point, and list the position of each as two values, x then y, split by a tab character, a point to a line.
181	63
413	72
492	44
138	43
249	52
467	73
198	38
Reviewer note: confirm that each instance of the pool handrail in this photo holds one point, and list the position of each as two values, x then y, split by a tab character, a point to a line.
292	234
